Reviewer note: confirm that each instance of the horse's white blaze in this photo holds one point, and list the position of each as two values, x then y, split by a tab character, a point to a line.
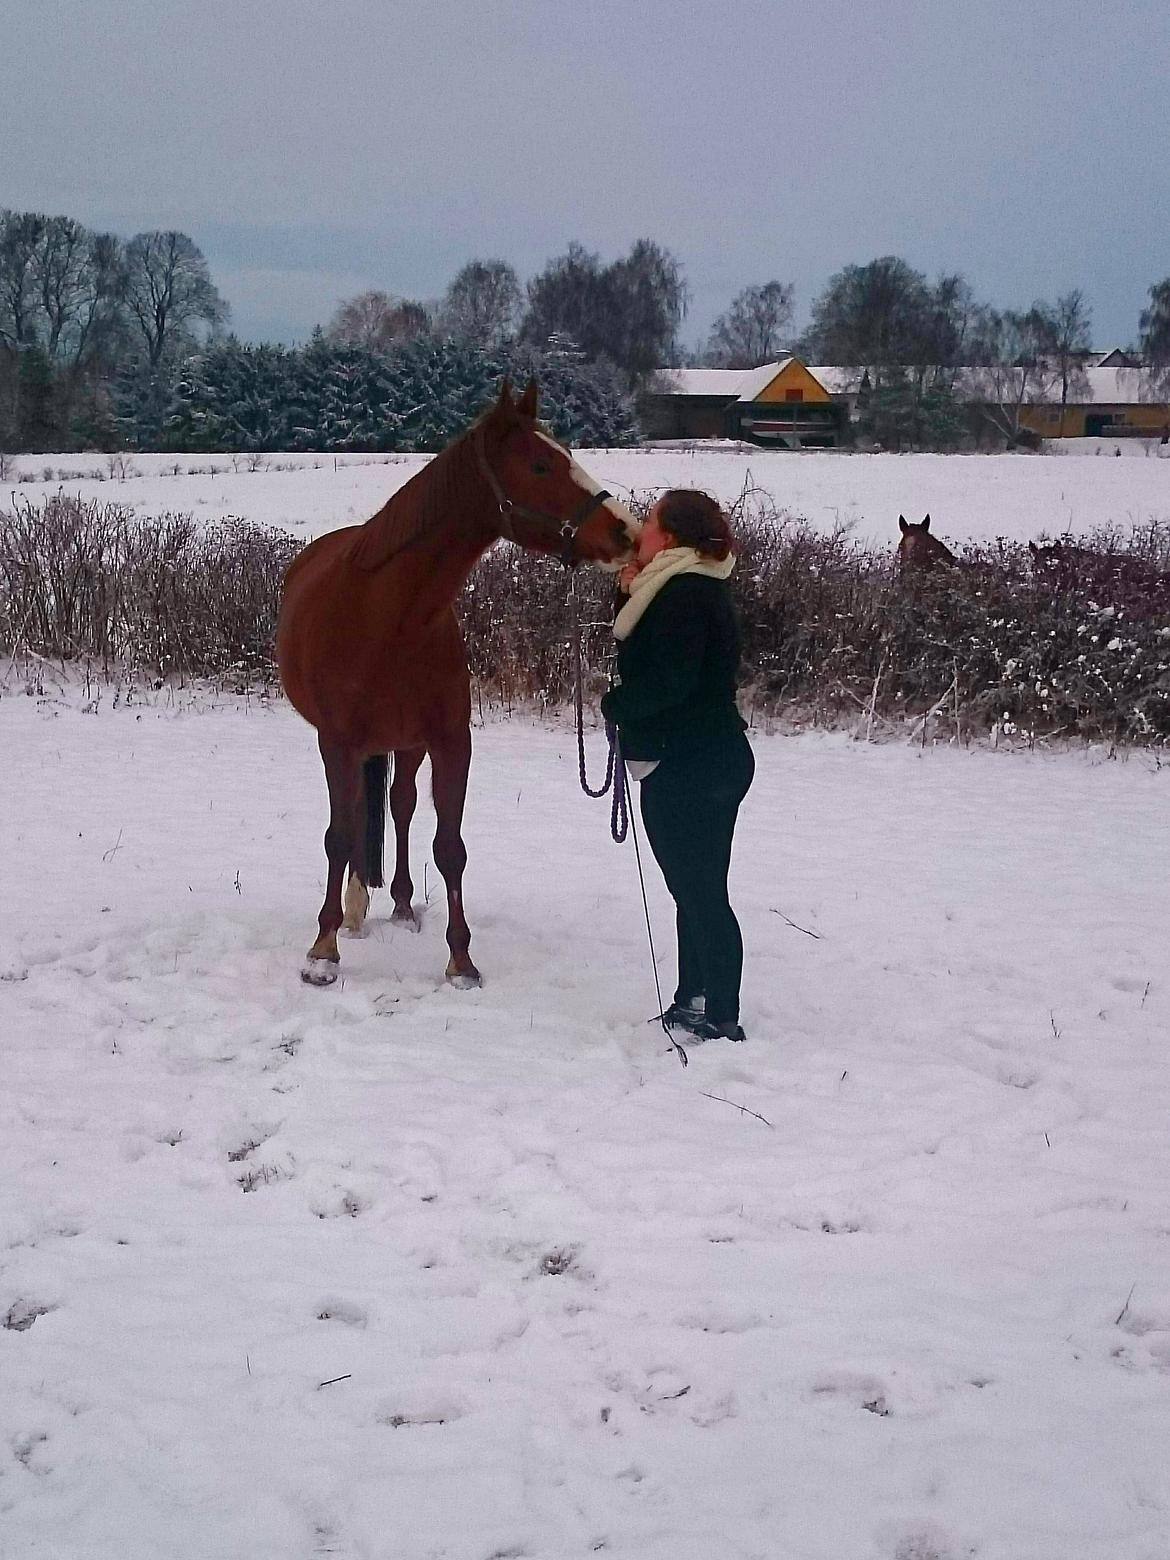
581	478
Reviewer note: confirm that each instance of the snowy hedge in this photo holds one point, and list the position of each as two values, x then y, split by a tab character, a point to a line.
1075	643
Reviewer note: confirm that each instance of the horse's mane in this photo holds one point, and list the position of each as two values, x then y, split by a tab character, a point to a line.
430	499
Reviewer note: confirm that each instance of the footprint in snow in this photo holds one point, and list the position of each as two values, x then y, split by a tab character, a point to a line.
925	1541
855	1389
21	1315
718	1319
334	1310
28	1448
338	1202
12	966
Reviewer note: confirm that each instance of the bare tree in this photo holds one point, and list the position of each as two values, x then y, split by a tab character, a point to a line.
80	282
1064	334
1016	369
627	313
20	236
752	330
376	320
482	304
169	290
1155	337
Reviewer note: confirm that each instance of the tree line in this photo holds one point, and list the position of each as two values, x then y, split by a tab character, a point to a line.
108	343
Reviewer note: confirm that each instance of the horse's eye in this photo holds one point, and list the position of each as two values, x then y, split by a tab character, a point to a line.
541	468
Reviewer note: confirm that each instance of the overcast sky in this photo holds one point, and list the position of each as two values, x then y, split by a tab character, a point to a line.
314	148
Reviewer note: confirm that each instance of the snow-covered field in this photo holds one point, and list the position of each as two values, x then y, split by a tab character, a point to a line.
972	497
395	1272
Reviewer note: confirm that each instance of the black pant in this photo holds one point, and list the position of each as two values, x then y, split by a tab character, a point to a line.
689	807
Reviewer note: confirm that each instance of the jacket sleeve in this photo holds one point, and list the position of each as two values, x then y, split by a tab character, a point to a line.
677	643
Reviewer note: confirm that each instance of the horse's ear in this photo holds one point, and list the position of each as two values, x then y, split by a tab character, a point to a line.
902	526
926	524
527	403
504	404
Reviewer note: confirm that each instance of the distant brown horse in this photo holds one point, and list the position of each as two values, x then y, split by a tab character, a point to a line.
371	654
1108	574
918	549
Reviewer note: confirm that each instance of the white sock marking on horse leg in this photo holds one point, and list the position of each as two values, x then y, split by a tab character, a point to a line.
357	904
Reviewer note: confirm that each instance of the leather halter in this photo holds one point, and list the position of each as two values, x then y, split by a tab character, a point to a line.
566	529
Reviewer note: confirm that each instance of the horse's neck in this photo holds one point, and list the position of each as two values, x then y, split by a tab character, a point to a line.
435	528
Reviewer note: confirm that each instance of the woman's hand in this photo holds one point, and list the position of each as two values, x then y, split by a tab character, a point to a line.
628	575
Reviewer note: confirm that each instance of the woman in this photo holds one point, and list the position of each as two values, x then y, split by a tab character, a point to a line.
683	738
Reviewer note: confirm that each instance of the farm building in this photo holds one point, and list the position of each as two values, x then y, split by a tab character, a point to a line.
789	404
781	404
1104	401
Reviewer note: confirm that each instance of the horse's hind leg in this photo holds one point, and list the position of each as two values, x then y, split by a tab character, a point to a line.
450	762
343	775
403	800
365	858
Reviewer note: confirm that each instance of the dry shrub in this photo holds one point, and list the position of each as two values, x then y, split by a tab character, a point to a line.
1076	642
89	580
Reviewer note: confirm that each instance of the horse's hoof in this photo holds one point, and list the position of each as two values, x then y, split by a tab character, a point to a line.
357	929
320	972
465	982
407	918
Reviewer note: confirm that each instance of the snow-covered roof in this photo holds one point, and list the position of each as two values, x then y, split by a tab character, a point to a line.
742	384
836	380
1090	387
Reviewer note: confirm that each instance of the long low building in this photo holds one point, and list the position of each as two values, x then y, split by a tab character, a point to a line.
790	405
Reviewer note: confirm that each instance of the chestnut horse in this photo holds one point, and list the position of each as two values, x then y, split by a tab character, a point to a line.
370	650
918	549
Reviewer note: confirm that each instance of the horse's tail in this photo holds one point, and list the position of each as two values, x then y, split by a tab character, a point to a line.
376	773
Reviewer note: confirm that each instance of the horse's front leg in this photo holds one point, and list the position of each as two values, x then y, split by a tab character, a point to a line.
450	761
403	800
343	776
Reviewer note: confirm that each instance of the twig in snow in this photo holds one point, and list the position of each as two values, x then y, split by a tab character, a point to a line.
1052	1021
1120	1317
841	688
333	1380
743	1109
794	926
938	705
108	855
1145	994
1046	1140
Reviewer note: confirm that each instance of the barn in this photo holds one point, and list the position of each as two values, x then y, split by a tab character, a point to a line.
1110	400
780	404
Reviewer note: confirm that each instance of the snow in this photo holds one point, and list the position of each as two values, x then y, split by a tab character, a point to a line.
743	383
969	497
392	1271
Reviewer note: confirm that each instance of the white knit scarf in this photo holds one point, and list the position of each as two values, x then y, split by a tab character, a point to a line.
662	567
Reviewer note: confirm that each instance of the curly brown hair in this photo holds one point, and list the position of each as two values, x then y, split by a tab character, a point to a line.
695	520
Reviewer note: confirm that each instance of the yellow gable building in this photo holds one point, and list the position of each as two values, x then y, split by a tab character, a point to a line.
780	404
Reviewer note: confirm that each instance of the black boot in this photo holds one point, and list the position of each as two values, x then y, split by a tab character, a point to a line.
681	1015
710	1029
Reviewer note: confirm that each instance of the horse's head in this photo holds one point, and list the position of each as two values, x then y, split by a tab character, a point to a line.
547	502
918	549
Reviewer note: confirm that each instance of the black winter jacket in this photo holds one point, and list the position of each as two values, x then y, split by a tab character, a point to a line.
677	671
